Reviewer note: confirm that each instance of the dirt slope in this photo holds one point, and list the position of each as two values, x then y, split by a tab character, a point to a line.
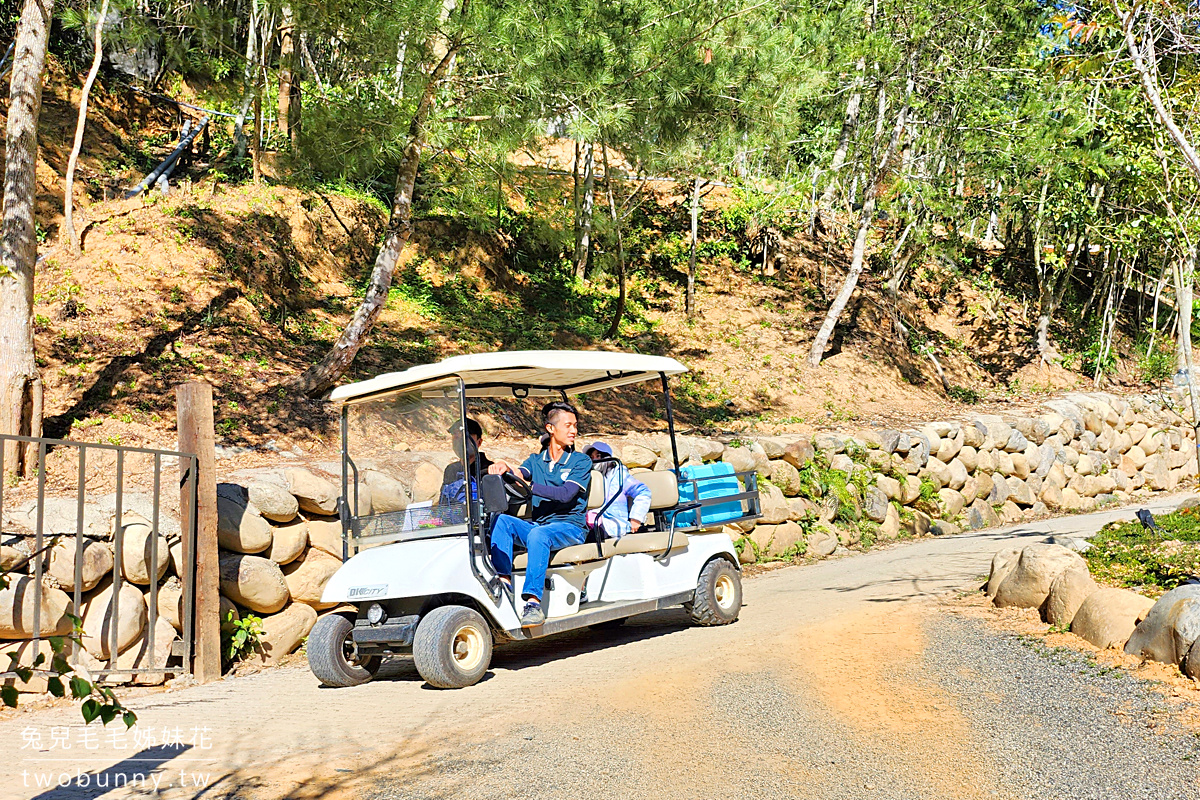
246	285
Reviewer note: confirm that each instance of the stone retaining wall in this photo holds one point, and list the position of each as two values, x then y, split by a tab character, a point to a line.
280	540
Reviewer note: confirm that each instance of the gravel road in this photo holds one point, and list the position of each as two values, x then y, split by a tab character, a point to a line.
841	680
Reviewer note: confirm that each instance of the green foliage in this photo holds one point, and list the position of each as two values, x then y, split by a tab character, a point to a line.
239	637
964	394
1156	367
1130	555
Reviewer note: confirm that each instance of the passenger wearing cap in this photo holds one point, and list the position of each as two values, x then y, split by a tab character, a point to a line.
558	479
622	514
454	478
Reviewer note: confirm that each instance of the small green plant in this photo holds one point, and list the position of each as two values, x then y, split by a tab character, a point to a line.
239	637
1156	367
964	394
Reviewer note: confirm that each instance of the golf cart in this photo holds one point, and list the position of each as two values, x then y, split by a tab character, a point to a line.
416	565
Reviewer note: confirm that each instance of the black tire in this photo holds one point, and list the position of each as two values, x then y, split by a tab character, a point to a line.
718	597
452	648
609	625
331	654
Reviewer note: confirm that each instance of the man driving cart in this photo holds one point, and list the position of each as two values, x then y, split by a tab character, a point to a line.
557	481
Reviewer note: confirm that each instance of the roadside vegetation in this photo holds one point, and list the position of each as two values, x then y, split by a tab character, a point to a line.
1149	561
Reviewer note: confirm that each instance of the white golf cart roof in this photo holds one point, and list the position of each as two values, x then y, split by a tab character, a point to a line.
543	373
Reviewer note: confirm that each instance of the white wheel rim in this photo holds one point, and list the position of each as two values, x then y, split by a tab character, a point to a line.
467	648
724	591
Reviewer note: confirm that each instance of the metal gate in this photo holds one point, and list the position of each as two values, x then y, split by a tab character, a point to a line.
39	538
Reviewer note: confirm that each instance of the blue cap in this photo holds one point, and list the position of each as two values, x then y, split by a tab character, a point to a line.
600	447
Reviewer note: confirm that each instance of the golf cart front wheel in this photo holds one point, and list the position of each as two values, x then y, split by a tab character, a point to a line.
718	597
333	657
452	647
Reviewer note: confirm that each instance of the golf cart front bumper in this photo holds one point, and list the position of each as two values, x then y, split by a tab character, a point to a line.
389	636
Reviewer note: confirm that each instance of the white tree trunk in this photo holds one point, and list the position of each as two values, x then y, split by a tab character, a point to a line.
68	231
865	222
20	383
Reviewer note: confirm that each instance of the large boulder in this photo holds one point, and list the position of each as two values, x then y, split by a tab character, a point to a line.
26	652
253	582
142	656
875	504
17	606
786	477
1170	628
890	487
306	577
288	541
1022	495
387	493
143	553
742	459
314	493
1108	617
325	533
1003	563
1028	585
427	485
240	527
635	456
981	515
170	604
98	620
799	453
958	474
1157	473
892	441
96	561
282	633
822	540
890	527
951	503
273	501
1067	594
775	509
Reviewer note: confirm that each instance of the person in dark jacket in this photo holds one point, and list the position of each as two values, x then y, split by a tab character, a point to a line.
558	478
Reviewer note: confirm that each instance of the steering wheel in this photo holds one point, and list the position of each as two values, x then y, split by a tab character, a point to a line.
517	486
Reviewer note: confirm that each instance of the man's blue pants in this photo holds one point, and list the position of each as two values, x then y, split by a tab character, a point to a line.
539	540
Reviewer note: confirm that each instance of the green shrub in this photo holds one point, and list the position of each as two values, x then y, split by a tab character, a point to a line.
1156	367
1130	555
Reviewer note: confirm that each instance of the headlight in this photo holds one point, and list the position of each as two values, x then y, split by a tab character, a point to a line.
375	614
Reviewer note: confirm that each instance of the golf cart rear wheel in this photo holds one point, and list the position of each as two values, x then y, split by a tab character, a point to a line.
718	597
333	657
452	647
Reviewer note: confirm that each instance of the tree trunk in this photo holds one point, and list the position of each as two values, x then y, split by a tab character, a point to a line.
68	231
857	260
320	377
849	125
256	150
20	383
1145	63
289	87
1185	270
615	327
249	80
689	299
587	204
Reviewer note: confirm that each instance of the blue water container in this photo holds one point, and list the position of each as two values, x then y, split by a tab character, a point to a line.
712	481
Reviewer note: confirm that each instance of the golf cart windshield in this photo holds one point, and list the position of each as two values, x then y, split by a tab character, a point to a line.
404	453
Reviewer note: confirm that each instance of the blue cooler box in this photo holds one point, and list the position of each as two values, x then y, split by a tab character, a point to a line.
712	481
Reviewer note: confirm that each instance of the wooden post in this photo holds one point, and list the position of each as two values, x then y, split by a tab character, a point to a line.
194	410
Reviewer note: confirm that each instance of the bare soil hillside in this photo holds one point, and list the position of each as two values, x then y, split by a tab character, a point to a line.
245	285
